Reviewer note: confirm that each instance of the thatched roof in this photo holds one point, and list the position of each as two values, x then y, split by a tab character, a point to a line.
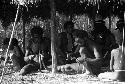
41	8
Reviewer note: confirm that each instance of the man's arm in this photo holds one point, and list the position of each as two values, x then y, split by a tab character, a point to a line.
98	56
28	49
83	54
28	57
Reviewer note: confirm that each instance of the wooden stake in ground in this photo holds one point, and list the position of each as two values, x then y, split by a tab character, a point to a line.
123	37
53	48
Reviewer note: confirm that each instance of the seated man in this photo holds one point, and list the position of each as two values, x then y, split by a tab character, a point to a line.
37	46
65	43
16	53
90	52
104	37
117	62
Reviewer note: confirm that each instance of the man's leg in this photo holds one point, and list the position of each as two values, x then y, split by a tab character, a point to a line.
93	68
29	68
69	67
87	69
117	75
15	61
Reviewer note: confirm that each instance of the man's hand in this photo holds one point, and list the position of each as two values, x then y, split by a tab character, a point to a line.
70	55
41	56
30	57
111	69
80	59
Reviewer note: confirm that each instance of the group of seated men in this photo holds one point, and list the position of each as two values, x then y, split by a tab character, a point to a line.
37	46
89	54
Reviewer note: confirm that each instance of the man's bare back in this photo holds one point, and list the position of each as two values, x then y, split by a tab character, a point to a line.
117	62
119	58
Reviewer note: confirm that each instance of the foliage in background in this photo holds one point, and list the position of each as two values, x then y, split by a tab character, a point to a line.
83	22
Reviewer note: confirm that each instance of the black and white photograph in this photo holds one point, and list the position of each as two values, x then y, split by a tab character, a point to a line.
62	41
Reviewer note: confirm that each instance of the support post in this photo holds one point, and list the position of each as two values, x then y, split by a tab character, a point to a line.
24	37
110	22
24	17
53	30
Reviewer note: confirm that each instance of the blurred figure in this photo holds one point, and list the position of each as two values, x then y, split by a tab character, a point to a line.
90	60
15	52
117	62
66	41
37	46
104	37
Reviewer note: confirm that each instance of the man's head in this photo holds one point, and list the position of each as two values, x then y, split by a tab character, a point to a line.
69	26
119	38
80	36
36	32
14	42
120	24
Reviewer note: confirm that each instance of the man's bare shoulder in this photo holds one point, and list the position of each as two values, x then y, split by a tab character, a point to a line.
114	51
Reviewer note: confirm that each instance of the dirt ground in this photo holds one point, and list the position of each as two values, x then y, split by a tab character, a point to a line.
48	78
13	77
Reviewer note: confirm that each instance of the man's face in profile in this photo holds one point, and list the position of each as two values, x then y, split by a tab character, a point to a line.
79	41
69	28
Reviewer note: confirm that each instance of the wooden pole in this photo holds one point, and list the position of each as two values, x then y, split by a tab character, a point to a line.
123	37
53	48
24	17
24	36
110	22
110	19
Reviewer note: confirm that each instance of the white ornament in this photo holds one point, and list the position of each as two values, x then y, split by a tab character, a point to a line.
21	2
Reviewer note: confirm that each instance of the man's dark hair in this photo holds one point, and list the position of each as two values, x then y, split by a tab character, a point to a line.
120	25
80	33
68	23
37	30
13	42
100	26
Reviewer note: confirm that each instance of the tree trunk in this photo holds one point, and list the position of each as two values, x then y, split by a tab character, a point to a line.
53	48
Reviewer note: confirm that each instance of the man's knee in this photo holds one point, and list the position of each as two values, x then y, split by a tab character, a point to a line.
108	75
101	75
24	70
28	69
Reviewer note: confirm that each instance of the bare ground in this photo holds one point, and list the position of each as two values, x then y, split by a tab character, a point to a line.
12	77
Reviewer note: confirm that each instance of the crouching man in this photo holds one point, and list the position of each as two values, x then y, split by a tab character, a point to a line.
90	54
